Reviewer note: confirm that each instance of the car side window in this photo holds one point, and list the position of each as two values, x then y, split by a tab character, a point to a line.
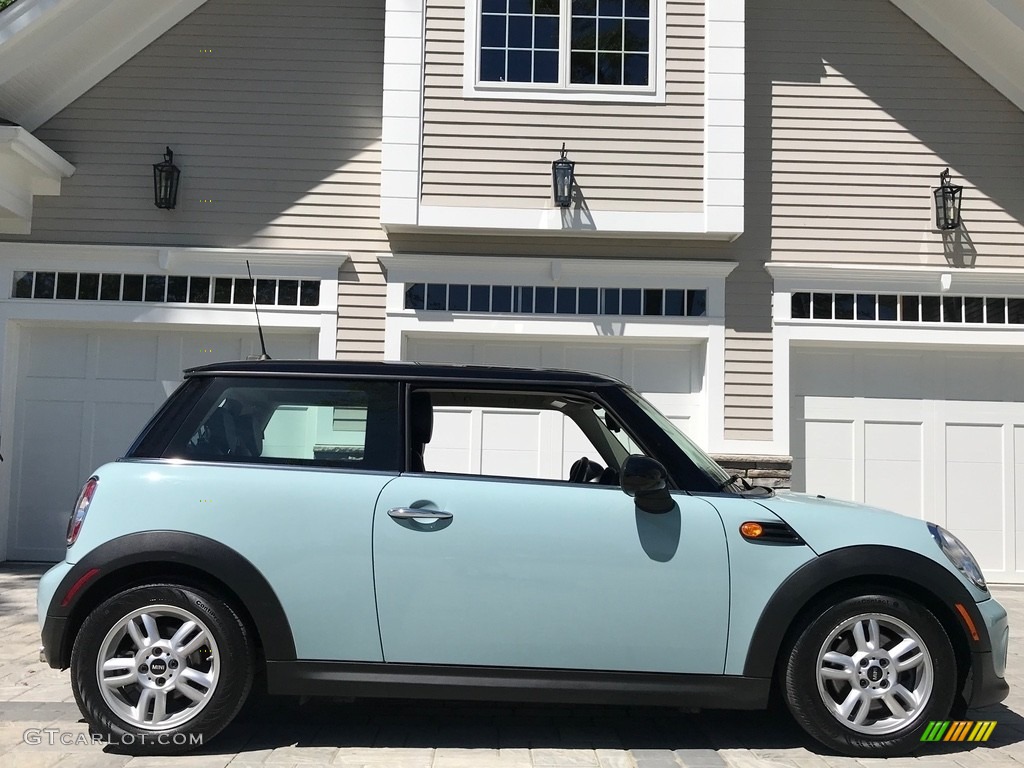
528	435
345	424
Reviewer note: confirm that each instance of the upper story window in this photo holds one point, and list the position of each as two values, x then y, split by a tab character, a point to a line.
609	46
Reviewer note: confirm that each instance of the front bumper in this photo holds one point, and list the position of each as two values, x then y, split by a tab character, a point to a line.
986	684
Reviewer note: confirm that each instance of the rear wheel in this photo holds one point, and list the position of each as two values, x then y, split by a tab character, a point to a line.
867	675
161	669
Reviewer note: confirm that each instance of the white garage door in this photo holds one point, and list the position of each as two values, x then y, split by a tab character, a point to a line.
929	433
669	375
82	397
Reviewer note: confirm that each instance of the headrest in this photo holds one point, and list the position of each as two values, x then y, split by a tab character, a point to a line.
421	418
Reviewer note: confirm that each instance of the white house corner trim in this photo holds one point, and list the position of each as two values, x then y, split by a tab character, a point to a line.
724	117
401	134
35	170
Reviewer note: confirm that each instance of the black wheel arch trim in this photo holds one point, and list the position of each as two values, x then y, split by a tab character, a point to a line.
848	563
197	553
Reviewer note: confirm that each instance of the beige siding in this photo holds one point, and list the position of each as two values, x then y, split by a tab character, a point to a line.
498	152
273	111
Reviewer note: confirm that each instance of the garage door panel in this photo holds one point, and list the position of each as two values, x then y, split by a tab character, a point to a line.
523	355
114	427
126	355
67	359
894	467
609	361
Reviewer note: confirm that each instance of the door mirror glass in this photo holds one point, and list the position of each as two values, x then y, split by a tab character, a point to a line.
646	480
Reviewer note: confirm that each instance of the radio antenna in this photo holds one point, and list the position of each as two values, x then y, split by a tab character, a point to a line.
259	326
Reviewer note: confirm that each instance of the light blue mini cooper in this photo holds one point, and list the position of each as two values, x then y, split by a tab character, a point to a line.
393	529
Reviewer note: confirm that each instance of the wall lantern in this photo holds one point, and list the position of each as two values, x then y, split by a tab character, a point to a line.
165	182
562	179
947	203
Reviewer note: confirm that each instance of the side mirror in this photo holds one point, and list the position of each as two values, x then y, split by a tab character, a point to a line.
646	480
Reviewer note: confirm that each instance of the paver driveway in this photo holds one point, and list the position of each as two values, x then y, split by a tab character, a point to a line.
40	724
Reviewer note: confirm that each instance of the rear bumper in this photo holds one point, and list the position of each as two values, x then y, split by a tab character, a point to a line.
52	627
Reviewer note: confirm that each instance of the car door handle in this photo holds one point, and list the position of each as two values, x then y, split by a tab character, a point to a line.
406	513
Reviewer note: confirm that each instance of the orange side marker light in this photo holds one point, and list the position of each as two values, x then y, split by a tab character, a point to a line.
967	620
751	530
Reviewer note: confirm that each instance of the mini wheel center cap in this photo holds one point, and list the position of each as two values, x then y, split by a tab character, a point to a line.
875	674
157	666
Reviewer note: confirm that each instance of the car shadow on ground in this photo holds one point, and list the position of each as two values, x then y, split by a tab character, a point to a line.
273	723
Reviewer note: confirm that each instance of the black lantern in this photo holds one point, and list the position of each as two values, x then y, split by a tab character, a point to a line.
562	179
947	203
165	182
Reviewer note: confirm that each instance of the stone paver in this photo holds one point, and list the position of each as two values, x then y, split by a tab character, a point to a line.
41	727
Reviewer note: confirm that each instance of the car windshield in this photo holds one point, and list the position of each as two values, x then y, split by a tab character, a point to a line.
695	454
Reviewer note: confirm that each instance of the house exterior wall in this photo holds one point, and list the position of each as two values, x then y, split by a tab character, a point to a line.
274	115
632	156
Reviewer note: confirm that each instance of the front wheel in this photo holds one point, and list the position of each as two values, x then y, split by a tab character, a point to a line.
867	675
161	669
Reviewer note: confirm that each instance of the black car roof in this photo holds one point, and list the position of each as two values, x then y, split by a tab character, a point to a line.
402	370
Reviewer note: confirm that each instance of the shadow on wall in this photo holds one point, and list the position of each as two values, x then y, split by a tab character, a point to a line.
274	116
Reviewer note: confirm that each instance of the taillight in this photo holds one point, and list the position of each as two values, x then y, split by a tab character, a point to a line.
81	508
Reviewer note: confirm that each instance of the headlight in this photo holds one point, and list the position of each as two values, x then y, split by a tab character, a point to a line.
958	554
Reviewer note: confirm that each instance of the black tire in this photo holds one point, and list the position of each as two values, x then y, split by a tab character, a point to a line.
223	655
882	732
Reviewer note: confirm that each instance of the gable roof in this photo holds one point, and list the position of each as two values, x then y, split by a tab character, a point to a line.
53	51
987	35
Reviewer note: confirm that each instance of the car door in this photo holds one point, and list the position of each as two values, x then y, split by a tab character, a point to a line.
472	569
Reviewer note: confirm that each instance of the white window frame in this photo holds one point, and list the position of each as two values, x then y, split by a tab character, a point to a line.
653	92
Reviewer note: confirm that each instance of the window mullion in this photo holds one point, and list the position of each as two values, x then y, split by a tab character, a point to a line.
566	41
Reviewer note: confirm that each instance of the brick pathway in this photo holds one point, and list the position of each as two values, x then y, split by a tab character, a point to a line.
36	705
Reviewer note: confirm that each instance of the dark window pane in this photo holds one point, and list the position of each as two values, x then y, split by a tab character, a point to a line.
67	285
584	7
995	310
675	303
110	288
584	34
697	303
636	35
631	301
501	298
415	295
545	67
609	68
801	305
821	306
132	288
609	34
520	31
1015	311
524	299
494	6
866	306
265	290
479	298
611	301
887	307
844	306
952	309
545	32
583	68
974	309
155	287
288	292
437	296
45	284
309	293
653	300
458	297
547	7
544	301
566	301
519	66
930	309
492	66
641	8
520	6
609	7
177	288
635	71
243	290
222	290
492	31
588	301
89	286
911	309
22	285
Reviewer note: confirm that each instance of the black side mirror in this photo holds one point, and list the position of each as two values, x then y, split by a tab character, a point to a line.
646	480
